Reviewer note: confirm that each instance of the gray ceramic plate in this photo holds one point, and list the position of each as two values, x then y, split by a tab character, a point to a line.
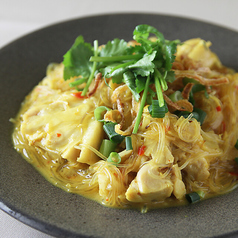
27	196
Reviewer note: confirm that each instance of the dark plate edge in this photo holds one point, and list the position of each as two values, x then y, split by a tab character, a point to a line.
117	13
36	223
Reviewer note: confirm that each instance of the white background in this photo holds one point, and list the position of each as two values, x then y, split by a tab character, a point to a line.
18	18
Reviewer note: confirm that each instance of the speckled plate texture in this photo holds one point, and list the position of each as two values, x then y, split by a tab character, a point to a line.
27	196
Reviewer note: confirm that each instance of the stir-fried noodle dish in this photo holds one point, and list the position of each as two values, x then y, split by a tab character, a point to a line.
142	124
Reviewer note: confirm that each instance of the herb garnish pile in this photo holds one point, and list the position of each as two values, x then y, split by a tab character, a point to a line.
137	66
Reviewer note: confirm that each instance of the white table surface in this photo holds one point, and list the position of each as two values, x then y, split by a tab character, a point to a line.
18	18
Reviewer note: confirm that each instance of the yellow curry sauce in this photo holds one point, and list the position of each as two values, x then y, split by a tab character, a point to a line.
57	133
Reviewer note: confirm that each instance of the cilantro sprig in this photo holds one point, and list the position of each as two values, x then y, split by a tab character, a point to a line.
137	66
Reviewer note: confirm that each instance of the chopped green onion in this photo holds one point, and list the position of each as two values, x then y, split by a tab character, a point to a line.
201	194
236	160
192	197
128	143
163	83
159	92
236	145
198	88
201	113
151	94
99	113
156	111
186	114
114	158
176	96
107	147
162	79
197	114
109	128
90	79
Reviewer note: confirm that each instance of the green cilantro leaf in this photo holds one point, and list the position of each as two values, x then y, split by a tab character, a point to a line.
76	60
140	83
142	33
144	66
114	48
116	75
169	52
129	80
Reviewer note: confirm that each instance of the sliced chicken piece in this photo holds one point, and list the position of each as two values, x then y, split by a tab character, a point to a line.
148	187
198	169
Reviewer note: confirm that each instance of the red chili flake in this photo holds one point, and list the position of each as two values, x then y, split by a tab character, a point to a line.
58	134
233	173
218	108
107	199
78	95
167	129
236	87
141	150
